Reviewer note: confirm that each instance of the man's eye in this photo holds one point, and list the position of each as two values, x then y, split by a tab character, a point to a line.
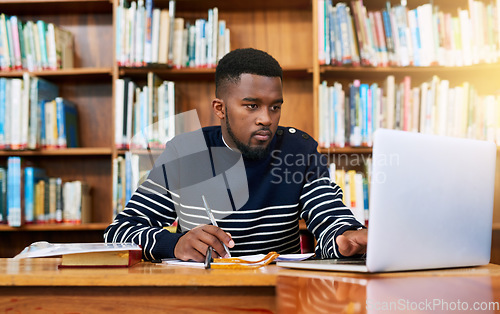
276	108
251	106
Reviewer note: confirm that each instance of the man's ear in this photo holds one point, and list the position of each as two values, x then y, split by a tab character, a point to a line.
218	108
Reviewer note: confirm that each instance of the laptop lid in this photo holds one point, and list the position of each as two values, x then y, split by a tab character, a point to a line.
431	201
431	204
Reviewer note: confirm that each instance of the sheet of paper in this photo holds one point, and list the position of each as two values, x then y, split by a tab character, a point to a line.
250	258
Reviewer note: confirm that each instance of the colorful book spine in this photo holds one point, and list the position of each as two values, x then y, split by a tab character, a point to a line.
14	211
3	195
67	123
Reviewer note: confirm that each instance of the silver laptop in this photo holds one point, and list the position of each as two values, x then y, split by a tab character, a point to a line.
431	205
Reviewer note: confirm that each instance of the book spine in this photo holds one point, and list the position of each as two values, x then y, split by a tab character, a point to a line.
51	47
407	103
128	176
3	102
29	187
363	112
6	61
171	14
34	114
15	116
148	28
155	36
43	122
42	29
14	191
59	200
119	103
61	125
3	195
139	34
164	37
24	111
16	43
52	200
215	34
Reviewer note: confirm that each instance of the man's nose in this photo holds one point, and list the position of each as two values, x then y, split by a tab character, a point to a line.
264	117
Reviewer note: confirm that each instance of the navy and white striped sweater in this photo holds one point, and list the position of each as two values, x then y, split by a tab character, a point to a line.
292	182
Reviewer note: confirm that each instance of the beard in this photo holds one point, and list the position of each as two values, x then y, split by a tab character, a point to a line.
248	152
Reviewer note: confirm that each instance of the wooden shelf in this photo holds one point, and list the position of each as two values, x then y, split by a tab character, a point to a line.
56	227
346	150
81	151
496	226
166	72
76	73
367	73
203	5
24	7
142	151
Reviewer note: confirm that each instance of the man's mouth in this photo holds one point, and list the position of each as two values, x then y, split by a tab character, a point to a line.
262	135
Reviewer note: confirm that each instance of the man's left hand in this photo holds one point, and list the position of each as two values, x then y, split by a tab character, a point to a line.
352	242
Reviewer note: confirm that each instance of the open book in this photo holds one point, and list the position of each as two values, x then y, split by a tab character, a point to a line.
86	254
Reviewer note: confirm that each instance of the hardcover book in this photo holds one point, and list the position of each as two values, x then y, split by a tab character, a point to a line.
86	254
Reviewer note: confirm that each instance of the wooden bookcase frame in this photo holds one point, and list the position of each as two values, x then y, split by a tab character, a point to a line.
287	29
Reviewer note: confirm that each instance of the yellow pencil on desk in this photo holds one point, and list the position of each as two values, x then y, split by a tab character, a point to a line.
212	219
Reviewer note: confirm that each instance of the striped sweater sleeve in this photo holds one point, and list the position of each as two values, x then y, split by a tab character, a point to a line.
325	214
151	207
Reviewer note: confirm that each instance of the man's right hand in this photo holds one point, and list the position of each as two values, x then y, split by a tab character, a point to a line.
194	244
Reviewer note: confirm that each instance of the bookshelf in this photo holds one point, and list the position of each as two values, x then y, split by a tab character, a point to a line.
287	29
481	76
89	86
275	26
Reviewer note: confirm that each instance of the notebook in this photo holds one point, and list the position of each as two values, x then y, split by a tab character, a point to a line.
431	204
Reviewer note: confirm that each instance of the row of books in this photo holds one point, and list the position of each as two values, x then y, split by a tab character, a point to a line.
148	35
355	188
144	117
433	107
399	36
129	172
28	195
34	46
33	116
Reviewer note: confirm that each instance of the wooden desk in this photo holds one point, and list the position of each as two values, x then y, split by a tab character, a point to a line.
37	285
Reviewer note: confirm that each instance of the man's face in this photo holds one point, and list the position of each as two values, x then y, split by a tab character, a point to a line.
252	113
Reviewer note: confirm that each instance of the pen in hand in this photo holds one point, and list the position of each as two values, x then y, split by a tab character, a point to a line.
214	223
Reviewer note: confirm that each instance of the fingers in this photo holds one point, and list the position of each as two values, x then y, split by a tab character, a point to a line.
215	237
345	247
194	244
352	242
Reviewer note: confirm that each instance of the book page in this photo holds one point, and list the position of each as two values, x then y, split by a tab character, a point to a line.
45	249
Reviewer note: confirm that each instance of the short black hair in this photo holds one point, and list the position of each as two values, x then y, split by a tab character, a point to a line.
245	60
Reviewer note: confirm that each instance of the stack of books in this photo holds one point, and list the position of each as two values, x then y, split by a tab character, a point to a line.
32	115
129	172
29	196
355	186
433	107
399	36
144	117
34	46
147	35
